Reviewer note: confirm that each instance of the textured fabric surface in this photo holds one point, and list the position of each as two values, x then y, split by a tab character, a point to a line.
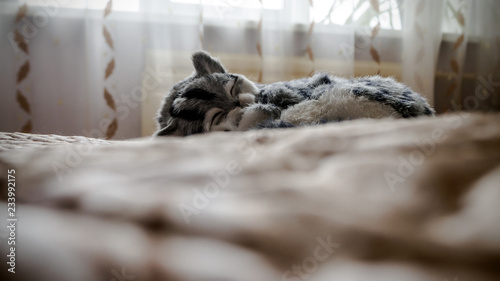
362	200
10	141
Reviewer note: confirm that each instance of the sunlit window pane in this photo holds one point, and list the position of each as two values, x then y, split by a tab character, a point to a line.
358	13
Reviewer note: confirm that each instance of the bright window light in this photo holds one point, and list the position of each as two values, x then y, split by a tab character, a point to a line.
357	12
252	4
120	5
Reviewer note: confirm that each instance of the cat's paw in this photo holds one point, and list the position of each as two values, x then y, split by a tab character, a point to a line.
257	113
245	100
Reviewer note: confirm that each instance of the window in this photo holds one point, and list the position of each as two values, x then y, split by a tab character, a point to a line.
120	5
252	4
358	13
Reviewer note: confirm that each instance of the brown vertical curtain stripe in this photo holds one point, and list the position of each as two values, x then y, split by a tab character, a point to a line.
309	49
108	97
24	69
259	48
421	53
259	43
373	51
20	41
453	92
23	102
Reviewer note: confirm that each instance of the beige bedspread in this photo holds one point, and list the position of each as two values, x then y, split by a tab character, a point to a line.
361	200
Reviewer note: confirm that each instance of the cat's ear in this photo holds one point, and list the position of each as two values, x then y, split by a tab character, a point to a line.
206	64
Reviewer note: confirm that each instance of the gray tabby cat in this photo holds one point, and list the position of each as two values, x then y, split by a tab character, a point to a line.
213	100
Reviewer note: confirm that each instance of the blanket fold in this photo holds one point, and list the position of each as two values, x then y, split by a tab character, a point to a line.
362	200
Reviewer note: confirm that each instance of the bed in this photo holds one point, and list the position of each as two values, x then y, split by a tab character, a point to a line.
412	199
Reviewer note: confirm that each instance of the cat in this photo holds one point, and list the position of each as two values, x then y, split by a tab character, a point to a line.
213	100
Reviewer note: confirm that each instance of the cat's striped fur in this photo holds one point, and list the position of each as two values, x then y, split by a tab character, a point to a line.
213	100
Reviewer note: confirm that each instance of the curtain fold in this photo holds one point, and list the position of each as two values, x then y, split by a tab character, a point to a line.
101	68
421	36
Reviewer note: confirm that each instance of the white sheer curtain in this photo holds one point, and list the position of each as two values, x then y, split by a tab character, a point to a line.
100	68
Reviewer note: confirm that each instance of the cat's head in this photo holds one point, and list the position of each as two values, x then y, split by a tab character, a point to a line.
209	100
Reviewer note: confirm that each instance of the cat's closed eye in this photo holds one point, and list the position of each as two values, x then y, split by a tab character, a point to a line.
216	119
230	86
198	93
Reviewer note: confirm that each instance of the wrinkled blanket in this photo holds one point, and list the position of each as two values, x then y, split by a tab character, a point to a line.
362	200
